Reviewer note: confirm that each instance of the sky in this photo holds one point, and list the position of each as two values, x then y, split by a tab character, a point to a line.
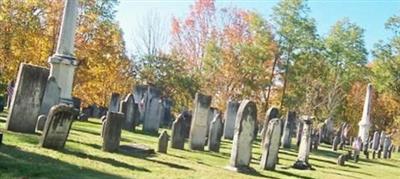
371	15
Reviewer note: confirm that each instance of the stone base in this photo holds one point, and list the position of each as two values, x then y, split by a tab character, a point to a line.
301	165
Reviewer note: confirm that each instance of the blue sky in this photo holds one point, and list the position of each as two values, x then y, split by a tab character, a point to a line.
369	14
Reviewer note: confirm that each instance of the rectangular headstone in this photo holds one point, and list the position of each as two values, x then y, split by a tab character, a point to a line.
230	117
27	98
57	127
215	133
178	133
269	157
198	129
290	124
129	108
153	110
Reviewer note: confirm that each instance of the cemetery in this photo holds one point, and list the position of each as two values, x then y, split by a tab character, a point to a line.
152	130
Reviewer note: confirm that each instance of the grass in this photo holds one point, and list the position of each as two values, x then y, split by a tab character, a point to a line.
21	157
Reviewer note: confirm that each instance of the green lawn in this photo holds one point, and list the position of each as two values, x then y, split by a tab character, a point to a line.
21	157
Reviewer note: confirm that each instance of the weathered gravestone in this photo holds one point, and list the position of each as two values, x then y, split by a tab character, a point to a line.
269	156
178	133
41	121
375	144
386	145
51	97
198	129
243	136
299	133
215	133
230	117
341	160
343	135
335	144
152	110
290	124
167	116
28	94
314	140
272	113
129	108
330	131
114	103
163	142
304	149
112	131
58	124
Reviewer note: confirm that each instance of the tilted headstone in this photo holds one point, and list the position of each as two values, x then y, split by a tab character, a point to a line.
58	124
114	103
299	132
304	149
178	133
27	97
215	133
130	110
198	129
51	97
163	142
272	113
270	147
288	129
243	136
112	131
230	117
152	111
41	121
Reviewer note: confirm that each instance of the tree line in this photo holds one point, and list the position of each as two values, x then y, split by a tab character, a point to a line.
229	53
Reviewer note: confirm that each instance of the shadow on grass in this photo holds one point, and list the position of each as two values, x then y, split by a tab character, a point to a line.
353	171
291	174
86	131
147	133
253	172
15	163
87	144
146	155
322	160
379	163
110	161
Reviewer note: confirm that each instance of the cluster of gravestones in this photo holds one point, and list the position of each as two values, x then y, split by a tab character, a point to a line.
36	107
206	125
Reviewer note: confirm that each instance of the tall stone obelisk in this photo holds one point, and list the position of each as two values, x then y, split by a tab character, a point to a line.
365	123
63	62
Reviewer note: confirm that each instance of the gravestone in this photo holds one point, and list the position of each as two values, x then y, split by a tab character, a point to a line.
314	140
343	135
51	97
272	113
198	129
304	149
77	102
290	124
386	144
58	124
187	122
112	131
130	110
269	156
300	126
375	144
41	121
178	133
152	110
27	98
167	117
381	142
163	142
243	136
2	103
230	117
335	144
330	131
215	133
114	103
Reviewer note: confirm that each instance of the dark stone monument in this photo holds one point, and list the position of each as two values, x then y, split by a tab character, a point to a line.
215	133
112	131
152	110
57	126
288	129
230	117
178	133
129	108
